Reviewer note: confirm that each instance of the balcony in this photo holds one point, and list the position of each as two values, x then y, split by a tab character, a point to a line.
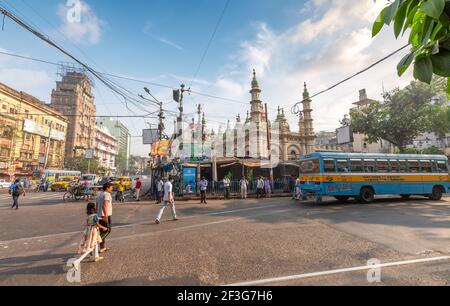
5	143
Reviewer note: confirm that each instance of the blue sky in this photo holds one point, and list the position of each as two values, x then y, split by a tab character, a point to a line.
287	41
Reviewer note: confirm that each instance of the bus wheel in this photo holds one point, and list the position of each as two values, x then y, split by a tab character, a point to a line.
367	195
437	194
342	199
405	196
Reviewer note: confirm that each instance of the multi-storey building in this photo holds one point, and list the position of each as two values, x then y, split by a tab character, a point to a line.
123	137
105	149
32	135
73	97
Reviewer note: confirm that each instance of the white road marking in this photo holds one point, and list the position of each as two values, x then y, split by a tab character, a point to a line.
338	271
39	238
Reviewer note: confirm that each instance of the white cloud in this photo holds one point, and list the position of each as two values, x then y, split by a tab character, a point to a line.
170	43
35	82
87	31
333	44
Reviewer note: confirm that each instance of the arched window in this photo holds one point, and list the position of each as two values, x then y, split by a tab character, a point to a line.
293	155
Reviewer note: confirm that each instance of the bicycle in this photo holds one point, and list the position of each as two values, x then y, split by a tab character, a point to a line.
75	193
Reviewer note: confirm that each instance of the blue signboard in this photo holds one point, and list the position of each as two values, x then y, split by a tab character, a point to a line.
189	180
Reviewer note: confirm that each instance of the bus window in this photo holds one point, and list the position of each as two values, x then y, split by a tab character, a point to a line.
383	166
426	166
442	167
328	166
369	165
413	166
342	166
356	165
394	166
403	166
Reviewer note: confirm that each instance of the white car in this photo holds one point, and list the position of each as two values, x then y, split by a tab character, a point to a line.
4	184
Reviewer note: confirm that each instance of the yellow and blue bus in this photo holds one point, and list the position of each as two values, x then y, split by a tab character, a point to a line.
363	176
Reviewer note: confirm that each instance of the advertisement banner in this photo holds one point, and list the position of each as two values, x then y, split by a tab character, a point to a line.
190	180
160	148
32	127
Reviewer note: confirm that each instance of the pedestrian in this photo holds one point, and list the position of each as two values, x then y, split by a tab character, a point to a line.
105	211
268	188
243	183
91	237
120	189
226	187
203	189
298	190
168	200
86	190
159	190
16	190
259	187
138	189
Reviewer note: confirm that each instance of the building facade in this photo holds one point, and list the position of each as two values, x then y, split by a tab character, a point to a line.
105	149
73	97
360	143
32	135
123	137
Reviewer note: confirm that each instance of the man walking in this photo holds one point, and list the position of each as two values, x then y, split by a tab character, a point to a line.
244	187
168	200
259	188
16	190
159	190
268	188
138	189
104	211
203	189
226	188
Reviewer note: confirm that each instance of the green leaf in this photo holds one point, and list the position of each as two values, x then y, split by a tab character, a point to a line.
433	8
436	31
415	31
378	25
390	12
404	64
410	19
448	91
423	69
427	30
441	63
399	19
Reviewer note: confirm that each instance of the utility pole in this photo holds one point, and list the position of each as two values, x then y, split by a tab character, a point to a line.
269	144
47	147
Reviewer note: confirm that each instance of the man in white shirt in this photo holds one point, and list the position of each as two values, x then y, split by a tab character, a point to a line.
203	188
259	188
244	187
226	187
159	190
168	200
105	210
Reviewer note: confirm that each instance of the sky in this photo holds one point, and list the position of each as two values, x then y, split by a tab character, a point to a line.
288	42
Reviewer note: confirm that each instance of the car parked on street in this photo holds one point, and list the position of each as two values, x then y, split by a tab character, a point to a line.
4	184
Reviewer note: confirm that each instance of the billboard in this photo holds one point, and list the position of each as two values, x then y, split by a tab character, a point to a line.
160	148
150	136
344	135
32	127
190	179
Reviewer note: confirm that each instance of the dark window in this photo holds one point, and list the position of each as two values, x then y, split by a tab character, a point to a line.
413	166
343	166
442	166
383	166
403	166
369	165
328	165
356	165
426	166
394	166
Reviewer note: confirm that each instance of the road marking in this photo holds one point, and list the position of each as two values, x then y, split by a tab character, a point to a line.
142	223
338	271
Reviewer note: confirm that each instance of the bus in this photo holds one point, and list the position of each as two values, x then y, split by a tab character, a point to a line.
54	175
363	176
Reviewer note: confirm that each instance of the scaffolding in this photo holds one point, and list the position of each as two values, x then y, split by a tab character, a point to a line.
65	67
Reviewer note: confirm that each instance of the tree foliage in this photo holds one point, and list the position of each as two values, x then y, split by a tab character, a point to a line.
428	22
404	115
82	164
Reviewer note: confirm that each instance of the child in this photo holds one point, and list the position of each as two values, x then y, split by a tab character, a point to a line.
91	238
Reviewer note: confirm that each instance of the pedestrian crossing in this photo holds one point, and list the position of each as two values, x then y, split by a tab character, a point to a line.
32	197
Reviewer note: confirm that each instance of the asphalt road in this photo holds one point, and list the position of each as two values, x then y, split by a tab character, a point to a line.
266	242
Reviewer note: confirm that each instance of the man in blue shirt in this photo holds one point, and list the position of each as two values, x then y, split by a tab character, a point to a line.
16	190
203	189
